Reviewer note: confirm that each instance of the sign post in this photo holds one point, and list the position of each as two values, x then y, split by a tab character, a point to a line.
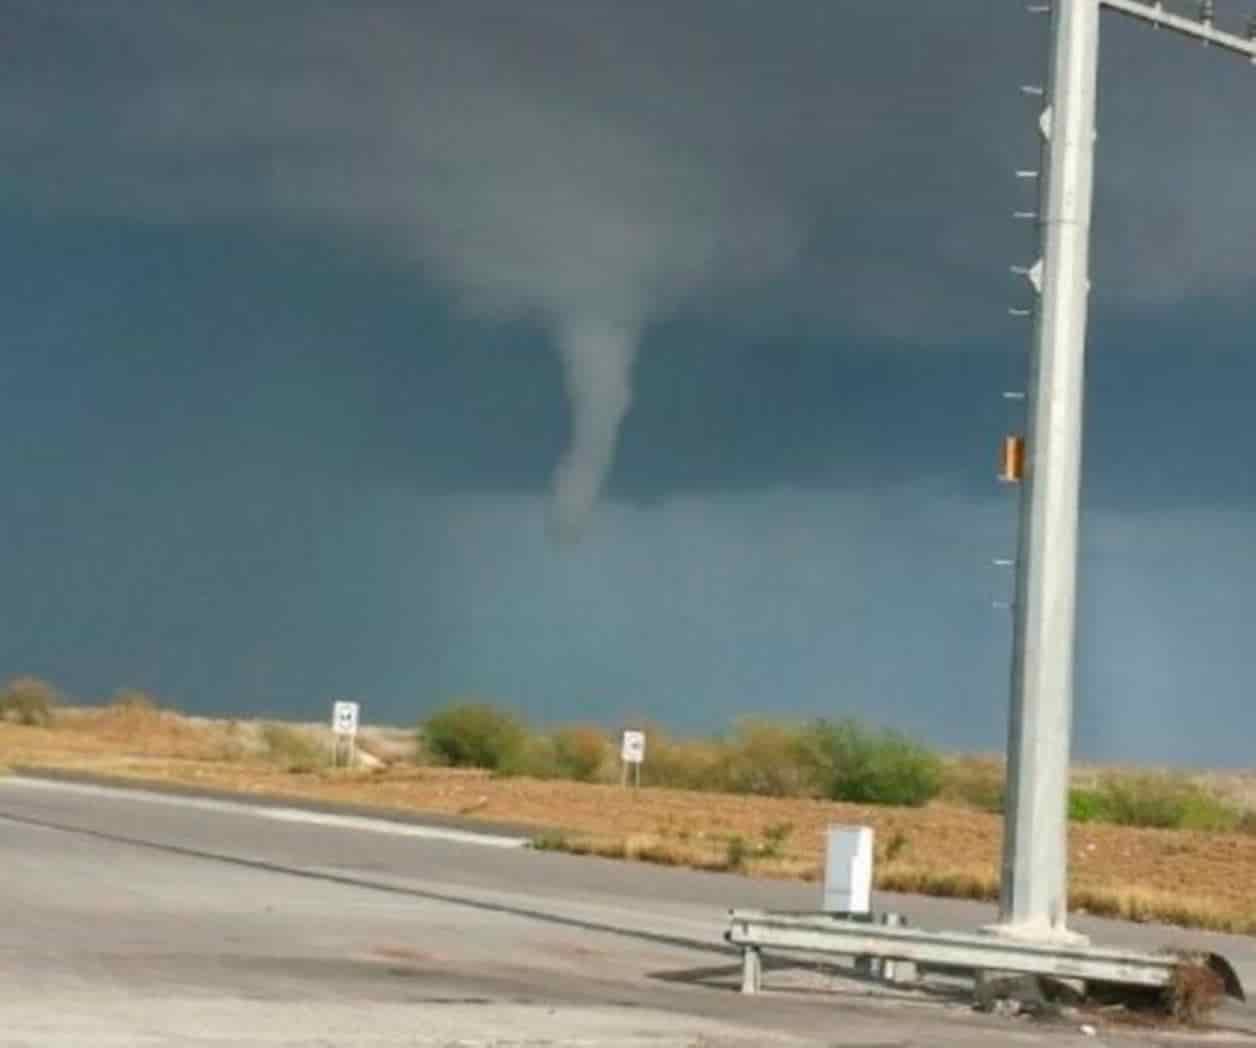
632	751
344	726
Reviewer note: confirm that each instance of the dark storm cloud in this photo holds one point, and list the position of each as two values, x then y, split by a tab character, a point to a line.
618	154
599	165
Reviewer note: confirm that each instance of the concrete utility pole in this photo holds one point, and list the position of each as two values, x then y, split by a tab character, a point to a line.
1034	897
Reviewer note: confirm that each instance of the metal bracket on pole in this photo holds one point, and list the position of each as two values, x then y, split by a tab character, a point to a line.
1031	273
1202	30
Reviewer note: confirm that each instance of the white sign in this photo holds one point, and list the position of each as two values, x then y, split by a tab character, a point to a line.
633	749
344	718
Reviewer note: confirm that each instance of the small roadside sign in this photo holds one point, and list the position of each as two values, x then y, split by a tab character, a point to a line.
633	748
344	718
631	754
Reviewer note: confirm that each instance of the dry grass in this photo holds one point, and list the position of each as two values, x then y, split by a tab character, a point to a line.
295	749
956	881
134	728
1150	906
1194	879
974	782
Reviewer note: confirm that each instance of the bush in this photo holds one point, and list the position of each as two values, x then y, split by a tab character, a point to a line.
862	766
475	735
580	753
766	759
29	701
692	764
295	750
535	758
1087	805
1164	802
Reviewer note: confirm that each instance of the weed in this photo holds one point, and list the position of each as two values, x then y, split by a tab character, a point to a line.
735	853
774	838
896	846
551	840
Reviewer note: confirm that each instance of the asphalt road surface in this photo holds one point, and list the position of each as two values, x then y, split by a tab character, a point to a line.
140	921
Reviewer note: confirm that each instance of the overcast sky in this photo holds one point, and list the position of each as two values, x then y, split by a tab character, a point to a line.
609	359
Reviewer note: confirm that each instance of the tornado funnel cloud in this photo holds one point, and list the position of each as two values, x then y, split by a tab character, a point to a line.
597	356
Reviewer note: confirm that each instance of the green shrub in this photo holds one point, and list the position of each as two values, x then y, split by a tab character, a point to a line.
29	701
580	753
1157	801
863	766
293	749
1164	801
476	735
1087	805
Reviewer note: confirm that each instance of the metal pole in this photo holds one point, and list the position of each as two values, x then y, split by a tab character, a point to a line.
1034	896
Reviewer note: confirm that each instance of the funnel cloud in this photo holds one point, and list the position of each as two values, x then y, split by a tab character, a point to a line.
597	362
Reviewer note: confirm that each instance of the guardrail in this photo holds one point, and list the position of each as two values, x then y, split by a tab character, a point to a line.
756	930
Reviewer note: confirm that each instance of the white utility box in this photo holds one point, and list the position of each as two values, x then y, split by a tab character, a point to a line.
848	870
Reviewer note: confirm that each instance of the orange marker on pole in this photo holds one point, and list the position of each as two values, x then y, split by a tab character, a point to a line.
1012	459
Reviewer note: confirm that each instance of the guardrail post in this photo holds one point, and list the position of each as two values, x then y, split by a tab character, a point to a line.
751	969
892	970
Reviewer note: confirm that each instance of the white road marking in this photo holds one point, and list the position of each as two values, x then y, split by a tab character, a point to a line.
266	811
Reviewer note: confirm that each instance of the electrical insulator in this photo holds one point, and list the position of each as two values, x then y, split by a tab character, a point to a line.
1251	28
1207	10
1012	459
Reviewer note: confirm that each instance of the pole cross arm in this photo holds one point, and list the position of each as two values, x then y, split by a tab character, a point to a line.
1205	31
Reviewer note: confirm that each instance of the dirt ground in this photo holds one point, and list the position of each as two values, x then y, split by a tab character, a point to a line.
1201	879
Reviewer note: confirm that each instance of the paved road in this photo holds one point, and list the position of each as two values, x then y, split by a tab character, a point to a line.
140	921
